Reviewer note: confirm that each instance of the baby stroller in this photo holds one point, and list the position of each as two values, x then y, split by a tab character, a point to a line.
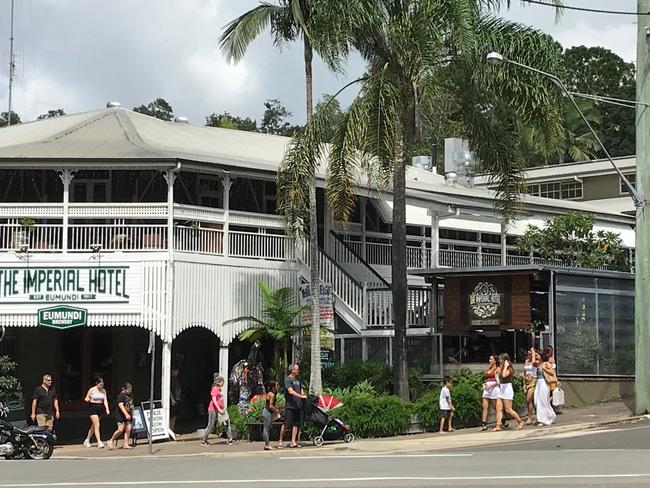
317	410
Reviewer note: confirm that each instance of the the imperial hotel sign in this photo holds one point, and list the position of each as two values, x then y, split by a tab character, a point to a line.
65	284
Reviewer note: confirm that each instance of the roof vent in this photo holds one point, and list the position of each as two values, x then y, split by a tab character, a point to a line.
113	104
181	120
451	178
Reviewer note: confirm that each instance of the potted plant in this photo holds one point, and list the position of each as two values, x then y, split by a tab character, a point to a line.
20	237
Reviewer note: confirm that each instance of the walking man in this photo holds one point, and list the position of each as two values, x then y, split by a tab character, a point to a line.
175	400
45	404
294	396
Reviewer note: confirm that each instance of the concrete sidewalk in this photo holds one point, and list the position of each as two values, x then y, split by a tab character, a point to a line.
574	419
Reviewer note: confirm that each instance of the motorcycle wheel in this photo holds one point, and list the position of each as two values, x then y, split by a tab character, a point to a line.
39	449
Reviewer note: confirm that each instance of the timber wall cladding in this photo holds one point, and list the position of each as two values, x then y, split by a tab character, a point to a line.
207	295
515	290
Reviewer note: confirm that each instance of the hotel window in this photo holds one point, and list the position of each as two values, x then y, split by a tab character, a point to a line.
560	190
571	190
631	177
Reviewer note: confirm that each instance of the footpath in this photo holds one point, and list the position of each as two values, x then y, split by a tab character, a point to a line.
569	420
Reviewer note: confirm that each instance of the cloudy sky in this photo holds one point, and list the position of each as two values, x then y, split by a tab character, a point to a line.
78	54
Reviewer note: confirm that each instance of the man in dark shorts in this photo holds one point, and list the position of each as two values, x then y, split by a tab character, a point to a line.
45	404
293	397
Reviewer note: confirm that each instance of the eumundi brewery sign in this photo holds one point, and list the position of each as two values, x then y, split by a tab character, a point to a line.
42	284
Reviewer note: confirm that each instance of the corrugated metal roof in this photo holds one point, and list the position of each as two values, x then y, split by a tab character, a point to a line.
527	268
120	134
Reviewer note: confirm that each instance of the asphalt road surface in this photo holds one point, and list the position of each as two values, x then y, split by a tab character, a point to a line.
612	457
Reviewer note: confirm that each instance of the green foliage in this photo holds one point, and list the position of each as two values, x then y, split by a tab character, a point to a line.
159	108
428	410
278	323
51	114
8	382
352	373
228	121
375	416
274	120
15	118
570	240
519	399
598	71
332	113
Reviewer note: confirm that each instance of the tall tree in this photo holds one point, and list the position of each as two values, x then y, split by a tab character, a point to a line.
598	71
274	120
288	20
407	46
228	121
58	112
332	115
15	119
159	108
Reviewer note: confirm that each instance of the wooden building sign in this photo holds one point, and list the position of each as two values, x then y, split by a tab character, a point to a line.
487	302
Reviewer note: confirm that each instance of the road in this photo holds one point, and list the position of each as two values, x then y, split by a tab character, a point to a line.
611	457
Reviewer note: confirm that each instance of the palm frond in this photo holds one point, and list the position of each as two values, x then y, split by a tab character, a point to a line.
297	174
242	31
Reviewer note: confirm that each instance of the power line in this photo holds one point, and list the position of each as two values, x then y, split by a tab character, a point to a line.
584	9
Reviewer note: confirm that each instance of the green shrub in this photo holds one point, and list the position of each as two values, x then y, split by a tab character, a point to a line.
520	395
352	373
427	408
8	382
375	416
468	402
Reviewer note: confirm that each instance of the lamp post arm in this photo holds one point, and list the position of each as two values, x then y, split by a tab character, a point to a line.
638	199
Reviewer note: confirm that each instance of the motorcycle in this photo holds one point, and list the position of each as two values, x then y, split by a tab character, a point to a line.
31	442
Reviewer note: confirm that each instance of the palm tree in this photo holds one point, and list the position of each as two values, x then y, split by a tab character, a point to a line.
278	322
288	21
417	51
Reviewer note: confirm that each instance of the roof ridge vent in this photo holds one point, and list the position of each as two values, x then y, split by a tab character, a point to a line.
181	120
113	104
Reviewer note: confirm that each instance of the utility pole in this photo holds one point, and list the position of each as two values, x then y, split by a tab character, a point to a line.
12	63
641	269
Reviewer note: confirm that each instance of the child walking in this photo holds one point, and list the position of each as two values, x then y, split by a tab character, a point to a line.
123	417
447	408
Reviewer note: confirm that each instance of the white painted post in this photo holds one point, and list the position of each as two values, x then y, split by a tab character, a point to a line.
435	240
364	306
223	367
227	183
166	360
504	250
166	367
364	203
480	249
66	176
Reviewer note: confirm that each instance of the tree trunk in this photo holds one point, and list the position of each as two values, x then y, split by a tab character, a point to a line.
399	282
315	380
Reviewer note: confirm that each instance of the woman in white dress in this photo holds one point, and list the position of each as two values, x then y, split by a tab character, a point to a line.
545	376
505	373
490	390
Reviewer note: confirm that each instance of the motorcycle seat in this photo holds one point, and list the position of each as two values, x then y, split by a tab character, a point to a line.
30	429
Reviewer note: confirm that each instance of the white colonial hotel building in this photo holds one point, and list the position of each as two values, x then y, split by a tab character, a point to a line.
114	224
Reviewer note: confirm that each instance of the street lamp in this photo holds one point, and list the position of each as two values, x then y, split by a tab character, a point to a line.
497	59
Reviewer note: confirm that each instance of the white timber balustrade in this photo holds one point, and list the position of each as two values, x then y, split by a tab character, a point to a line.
117	237
37	237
